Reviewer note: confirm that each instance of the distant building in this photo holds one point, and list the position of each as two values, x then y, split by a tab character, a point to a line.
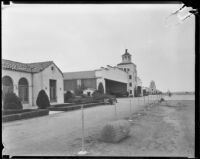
138	89
152	87
27	79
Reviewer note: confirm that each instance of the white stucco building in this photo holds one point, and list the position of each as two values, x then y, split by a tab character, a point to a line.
27	79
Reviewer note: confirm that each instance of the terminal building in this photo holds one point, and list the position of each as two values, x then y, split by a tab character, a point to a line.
120	79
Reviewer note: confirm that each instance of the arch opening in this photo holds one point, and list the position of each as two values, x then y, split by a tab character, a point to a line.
23	90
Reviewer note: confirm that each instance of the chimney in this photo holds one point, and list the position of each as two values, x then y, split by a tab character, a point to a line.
126	50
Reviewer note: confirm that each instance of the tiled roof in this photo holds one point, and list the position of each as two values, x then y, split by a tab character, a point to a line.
125	63
25	67
39	66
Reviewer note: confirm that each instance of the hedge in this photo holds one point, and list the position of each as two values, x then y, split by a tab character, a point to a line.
16	111
75	107
25	115
62	105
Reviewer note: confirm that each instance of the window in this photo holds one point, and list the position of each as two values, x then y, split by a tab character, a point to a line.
130	91
23	90
130	84
52	85
125	69
128	69
130	77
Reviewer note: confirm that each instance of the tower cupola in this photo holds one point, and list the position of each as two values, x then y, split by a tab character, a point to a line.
126	57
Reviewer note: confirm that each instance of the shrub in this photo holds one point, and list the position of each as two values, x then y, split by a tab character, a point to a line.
78	91
11	101
68	95
115	131
162	100
100	88
42	100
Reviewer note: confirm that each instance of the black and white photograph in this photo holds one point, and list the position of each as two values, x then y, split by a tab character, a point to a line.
98	79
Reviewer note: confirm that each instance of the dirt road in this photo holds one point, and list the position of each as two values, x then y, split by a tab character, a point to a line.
54	134
159	130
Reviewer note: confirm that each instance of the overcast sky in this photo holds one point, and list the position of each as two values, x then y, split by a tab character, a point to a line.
86	37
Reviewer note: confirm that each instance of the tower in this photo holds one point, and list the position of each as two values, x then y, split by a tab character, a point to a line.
152	86
130	68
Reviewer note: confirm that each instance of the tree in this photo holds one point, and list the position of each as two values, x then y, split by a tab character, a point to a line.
42	100
100	88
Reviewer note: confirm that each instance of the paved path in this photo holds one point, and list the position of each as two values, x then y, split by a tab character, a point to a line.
54	134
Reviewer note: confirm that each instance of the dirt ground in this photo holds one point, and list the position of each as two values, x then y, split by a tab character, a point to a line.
165	129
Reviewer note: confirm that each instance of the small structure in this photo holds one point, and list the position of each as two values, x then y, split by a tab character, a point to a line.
27	79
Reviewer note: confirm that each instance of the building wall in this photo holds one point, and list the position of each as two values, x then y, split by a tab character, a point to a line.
88	83
44	77
133	72
16	76
72	84
113	73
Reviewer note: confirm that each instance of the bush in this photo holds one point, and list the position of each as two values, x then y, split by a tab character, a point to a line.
78	91
42	100
11	101
115	131
68	95
162	100
100	88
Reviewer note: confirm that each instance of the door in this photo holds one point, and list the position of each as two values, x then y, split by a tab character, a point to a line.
52	86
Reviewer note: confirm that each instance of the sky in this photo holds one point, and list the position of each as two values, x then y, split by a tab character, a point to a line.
80	37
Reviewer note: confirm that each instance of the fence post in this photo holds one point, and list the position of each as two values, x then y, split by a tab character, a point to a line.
130	112
83	151
115	111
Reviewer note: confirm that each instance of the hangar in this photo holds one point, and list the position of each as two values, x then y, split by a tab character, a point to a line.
113	79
